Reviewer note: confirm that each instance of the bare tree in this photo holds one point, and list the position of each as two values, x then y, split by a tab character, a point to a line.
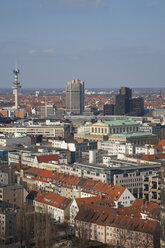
147	242
35	228
82	233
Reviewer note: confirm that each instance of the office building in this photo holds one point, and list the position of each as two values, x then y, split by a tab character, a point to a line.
126	92
137	106
126	105
108	109
123	101
75	97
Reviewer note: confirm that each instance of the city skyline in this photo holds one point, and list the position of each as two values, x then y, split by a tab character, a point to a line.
107	43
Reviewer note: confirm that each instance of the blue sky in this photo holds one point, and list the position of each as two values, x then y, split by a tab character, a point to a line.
106	43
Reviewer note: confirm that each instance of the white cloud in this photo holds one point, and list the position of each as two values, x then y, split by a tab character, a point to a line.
48	51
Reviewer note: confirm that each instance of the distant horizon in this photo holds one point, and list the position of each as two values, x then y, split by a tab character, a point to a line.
145	88
105	43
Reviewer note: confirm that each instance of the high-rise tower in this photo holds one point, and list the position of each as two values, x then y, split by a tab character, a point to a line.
75	97
16	86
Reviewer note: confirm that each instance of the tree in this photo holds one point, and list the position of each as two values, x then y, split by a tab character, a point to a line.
35	228
82	233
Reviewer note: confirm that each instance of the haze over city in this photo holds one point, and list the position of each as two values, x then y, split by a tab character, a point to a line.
106	43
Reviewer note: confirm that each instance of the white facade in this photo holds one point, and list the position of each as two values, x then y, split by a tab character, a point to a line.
3	178
126	199
115	148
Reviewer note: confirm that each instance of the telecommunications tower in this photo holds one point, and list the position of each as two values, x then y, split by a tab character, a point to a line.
16	86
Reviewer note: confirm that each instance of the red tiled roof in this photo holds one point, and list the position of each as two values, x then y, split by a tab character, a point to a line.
53	200
47	158
153	157
103	188
104	218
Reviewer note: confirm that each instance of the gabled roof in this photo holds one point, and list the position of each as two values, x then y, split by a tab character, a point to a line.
104	218
53	200
112	191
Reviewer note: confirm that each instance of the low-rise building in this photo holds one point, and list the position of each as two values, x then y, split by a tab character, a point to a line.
17	139
56	206
116	230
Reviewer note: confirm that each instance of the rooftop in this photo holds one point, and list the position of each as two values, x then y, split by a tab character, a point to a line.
133	135
119	122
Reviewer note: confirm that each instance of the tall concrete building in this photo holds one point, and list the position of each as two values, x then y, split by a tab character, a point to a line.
75	97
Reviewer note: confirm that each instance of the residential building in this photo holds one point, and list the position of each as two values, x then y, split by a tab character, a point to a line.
152	188
7	175
56	206
12	195
8	227
116	230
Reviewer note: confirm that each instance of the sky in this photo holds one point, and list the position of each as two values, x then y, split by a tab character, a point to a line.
105	43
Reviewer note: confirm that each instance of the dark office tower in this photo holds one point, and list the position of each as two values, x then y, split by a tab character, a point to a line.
122	105
123	101
126	92
109	109
137	106
75	97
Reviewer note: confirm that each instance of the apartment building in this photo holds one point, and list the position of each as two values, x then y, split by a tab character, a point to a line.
152	188
116	230
8	229
7	175
32	157
55	205
12	195
101	195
